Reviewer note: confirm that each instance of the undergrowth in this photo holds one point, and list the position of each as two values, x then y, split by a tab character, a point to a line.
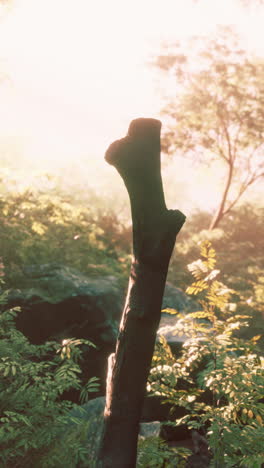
34	418
218	377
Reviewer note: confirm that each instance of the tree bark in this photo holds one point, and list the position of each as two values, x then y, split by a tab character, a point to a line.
137	159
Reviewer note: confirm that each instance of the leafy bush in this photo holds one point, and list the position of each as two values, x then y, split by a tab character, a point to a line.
221	376
240	250
240	232
32	414
41	228
154	452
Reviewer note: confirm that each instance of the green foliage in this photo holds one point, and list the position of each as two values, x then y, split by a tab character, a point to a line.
154	452
221	94
215	362
32	414
240	251
217	114
41	228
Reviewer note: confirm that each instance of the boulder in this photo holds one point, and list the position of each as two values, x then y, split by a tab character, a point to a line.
153	409
90	416
58	302
175	298
150	429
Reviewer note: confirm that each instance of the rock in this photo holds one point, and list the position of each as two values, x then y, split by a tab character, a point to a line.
89	418
58	302
91	415
153	409
92	409
153	418
175	298
201	456
151	429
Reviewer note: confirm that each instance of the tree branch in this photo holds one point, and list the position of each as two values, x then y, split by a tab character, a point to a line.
242	190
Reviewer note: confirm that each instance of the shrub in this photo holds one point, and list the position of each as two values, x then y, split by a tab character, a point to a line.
215	361
153	452
32	414
39	228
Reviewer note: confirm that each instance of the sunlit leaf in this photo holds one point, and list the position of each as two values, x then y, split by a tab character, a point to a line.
212	275
191	398
200	314
256	338
170	311
197	287
38	228
198	269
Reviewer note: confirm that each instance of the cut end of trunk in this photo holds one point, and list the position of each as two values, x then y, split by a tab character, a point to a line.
142	138
145	128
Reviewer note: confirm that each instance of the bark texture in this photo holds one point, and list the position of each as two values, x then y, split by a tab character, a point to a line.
137	159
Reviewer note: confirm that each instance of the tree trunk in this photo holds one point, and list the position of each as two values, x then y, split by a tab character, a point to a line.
220	212
137	159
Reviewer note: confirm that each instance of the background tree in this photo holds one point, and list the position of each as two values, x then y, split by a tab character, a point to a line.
217	111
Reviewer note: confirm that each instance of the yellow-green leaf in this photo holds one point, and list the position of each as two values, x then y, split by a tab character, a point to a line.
170	311
197	287
256	338
38	228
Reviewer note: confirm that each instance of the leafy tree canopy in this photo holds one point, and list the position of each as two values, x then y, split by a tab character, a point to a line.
217	110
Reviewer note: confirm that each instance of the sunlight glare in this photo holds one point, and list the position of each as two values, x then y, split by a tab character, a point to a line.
78	70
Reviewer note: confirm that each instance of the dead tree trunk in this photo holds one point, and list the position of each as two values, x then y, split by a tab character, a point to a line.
137	159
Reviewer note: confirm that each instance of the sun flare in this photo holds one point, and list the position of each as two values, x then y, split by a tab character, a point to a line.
78	71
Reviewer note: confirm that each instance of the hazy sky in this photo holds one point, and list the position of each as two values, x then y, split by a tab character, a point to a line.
78	71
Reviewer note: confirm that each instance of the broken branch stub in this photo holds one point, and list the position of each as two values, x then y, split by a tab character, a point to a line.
137	159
